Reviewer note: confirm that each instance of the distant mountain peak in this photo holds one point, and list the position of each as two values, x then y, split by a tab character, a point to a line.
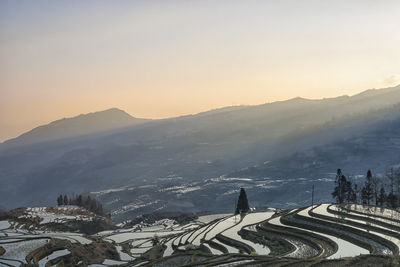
298	98
82	124
374	91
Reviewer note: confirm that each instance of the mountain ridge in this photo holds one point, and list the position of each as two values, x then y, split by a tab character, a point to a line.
186	149
82	124
129	120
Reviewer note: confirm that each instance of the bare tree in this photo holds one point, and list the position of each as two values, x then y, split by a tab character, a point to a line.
390	175
65	200
392	196
375	185
367	192
397	182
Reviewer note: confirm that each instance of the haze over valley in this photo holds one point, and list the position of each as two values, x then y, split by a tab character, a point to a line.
135	166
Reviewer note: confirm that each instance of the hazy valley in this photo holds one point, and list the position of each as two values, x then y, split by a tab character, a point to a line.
136	166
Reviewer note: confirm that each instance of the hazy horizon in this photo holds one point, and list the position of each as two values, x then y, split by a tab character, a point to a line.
156	59
186	114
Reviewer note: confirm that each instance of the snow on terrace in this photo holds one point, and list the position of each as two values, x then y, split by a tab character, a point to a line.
229	248
58	214
123	256
189	226
251	218
122	237
55	254
213	250
14	263
134	206
181	189
139	251
368	215
302	250
211	217
389	213
185	237
169	250
72	237
197	239
222	179
176	241
221	226
197	233
160	225
4	225
322	209
107	191
379	214
21	234
345	248
341	244
207	232
19	250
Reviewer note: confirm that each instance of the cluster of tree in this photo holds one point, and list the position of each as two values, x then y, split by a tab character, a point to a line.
84	201
242	204
371	192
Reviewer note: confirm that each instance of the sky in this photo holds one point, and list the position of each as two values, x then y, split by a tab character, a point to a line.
159	59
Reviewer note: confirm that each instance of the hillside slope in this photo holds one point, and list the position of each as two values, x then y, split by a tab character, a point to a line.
188	150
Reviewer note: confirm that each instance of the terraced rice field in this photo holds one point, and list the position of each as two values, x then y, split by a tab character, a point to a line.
250	219
20	241
325	231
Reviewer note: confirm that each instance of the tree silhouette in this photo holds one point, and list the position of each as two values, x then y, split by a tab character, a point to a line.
60	200
243	203
350	194
392	200
86	202
382	197
341	185
356	192
368	190
65	200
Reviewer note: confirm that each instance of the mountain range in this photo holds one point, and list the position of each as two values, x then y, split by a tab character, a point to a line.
275	150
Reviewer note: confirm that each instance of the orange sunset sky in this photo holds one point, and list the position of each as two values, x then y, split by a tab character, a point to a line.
158	59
